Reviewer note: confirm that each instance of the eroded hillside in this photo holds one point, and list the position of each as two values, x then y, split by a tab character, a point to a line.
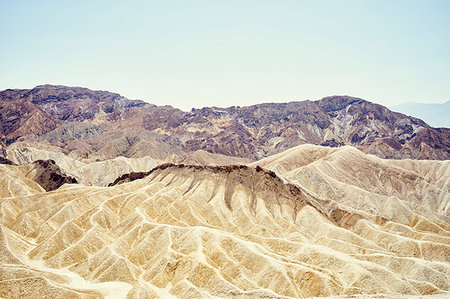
194	231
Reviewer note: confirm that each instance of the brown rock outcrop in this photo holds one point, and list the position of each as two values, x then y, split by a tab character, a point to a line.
50	176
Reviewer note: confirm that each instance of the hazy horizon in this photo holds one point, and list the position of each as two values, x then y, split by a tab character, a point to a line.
234	53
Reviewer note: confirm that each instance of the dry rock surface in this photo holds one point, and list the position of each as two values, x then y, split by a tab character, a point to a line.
308	222
104	125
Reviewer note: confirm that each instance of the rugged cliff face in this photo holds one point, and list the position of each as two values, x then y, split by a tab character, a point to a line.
106	125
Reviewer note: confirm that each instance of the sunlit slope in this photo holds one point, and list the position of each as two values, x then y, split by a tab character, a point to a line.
87	172
101	172
214	231
407	191
18	181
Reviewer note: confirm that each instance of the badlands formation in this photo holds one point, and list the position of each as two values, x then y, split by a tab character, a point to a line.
102	196
311	221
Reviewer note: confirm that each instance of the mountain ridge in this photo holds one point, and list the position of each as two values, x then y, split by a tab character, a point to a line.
250	132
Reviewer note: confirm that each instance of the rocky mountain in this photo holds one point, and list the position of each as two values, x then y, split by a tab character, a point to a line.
20	117
103	125
310	221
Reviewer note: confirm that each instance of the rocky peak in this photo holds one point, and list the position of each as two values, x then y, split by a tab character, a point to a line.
335	103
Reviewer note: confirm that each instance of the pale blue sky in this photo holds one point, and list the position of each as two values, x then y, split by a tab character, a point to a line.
203	53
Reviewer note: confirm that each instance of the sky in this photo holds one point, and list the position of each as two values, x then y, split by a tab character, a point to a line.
224	53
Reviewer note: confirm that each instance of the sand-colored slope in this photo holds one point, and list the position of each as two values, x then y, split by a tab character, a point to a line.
87	172
217	231
93	172
104	172
18	181
203	158
23	154
394	189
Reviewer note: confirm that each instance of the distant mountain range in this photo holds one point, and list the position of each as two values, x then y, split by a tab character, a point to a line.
436	115
104	125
